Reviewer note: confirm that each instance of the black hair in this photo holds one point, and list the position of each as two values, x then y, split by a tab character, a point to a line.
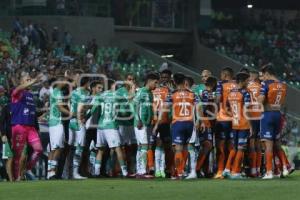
244	70
189	80
84	81
94	84
166	71
179	78
229	71
241	77
269	68
110	82
211	82
152	76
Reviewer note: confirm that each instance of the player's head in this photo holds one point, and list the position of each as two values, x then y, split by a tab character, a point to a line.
227	74
179	79
268	71
205	74
245	70
84	82
188	82
152	80
254	75
242	79
96	87
211	83
111	84
130	78
165	76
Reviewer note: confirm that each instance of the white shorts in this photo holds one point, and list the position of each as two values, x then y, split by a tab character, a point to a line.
143	135
195	138
77	137
111	137
127	135
57	136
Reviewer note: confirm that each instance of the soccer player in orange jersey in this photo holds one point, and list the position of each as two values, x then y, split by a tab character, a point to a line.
255	155
223	124
162	136
237	101
182	101
272	96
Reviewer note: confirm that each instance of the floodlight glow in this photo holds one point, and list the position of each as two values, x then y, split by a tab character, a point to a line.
249	6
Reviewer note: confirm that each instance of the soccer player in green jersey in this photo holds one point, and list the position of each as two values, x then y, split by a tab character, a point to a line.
108	129
125	120
80	98
56	128
142	122
198	89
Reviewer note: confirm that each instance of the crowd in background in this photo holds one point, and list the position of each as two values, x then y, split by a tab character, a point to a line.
255	41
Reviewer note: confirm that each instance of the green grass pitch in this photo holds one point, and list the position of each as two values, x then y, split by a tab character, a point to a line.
131	189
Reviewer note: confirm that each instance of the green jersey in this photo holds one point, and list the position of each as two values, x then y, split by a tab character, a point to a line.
78	96
198	89
55	116
143	106
108	101
126	107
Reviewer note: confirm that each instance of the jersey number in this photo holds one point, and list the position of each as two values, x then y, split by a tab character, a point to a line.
184	111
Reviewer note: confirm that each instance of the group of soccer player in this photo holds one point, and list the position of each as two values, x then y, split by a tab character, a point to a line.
170	127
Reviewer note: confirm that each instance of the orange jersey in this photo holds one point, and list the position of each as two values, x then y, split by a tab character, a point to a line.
254	88
236	101
223	90
183	104
160	95
275	93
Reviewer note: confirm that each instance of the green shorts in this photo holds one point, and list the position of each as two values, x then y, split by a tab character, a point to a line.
6	151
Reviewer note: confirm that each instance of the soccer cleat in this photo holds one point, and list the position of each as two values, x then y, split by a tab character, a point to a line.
236	177
291	170
30	176
285	172
163	174
192	175
78	177
219	175
144	176
51	175
178	177
158	174
226	173
268	176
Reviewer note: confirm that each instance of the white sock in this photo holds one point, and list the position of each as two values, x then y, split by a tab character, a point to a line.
138	167
157	158
162	161
54	164
124	170
143	161
97	167
49	167
192	160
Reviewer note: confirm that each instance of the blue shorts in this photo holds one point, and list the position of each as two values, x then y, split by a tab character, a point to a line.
182	132
255	124
240	137
270	125
206	136
223	130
